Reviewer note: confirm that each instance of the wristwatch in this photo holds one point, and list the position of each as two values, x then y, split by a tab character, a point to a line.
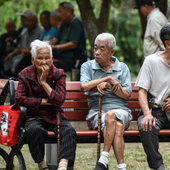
58	47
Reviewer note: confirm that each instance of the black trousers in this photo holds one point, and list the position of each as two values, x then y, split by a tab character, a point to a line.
66	59
150	139
36	132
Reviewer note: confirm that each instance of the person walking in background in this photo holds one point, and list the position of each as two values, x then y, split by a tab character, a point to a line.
107	72
155	21
154	100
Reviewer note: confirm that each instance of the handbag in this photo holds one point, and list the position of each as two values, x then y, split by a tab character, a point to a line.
9	116
8	125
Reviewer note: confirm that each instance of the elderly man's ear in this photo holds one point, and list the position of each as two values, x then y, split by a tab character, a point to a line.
112	51
167	44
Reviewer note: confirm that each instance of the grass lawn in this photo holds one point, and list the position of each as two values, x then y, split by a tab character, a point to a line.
86	157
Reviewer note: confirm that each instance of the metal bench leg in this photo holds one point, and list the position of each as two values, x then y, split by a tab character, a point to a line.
21	162
4	155
99	126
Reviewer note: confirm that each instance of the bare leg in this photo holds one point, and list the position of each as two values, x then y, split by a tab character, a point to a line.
109	133
42	165
109	130
118	143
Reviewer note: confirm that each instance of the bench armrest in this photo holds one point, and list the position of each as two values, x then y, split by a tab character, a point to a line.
23	116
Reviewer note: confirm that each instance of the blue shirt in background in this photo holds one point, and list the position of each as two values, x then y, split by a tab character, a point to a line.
48	34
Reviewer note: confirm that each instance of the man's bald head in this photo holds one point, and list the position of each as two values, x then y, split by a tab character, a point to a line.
10	27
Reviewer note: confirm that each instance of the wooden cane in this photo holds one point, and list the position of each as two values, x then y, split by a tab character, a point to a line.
99	126
58	138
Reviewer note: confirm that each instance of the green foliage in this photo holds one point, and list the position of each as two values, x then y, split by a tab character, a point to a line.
124	25
117	3
127	31
10	8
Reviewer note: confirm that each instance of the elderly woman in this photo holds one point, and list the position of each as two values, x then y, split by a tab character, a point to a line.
42	90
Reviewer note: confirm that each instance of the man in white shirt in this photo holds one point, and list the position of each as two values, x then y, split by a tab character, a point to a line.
154	87
155	21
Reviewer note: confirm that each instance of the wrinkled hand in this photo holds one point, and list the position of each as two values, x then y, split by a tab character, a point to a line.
45	73
148	120
102	87
116	85
25	51
166	106
7	58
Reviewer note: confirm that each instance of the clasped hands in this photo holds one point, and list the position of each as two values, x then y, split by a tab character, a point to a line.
114	86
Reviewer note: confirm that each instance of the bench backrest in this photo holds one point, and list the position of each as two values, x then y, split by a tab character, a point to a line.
75	105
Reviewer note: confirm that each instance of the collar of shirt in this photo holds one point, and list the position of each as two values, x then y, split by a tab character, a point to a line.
152	13
32	74
67	24
116	67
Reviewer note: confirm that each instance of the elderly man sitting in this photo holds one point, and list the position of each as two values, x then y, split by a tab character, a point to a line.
20	57
105	71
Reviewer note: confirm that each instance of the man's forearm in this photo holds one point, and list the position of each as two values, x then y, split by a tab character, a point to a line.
143	101
16	51
122	93
66	46
93	83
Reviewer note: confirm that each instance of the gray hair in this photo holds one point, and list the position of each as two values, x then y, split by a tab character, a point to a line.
55	13
67	5
37	44
108	38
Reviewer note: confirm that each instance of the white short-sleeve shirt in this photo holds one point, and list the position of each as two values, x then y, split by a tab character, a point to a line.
154	77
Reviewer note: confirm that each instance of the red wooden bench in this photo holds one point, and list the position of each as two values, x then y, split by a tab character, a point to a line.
76	109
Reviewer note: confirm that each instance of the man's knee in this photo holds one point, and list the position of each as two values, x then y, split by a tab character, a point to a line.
110	117
119	129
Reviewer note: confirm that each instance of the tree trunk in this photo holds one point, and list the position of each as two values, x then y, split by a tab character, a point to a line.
161	4
94	26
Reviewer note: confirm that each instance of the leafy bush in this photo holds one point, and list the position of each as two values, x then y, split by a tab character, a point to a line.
127	31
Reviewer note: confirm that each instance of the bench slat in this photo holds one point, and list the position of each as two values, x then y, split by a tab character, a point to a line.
133	104
75	95
80	115
81	95
133	87
77	104
73	86
92	133
134	96
76	115
83	104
